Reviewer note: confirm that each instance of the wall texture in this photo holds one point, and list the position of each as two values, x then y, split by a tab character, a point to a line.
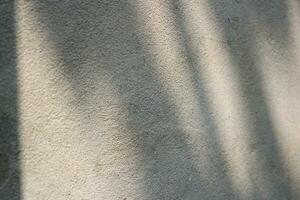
149	100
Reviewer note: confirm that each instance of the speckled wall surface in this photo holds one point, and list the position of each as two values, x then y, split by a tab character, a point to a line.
149	100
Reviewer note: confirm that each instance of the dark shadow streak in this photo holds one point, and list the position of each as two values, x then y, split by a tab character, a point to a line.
204	107
9	138
107	29
236	19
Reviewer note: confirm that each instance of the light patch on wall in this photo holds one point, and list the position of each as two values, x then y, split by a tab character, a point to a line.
213	61
280	76
207	40
60	141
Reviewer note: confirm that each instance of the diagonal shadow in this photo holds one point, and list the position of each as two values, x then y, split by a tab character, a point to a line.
10	180
237	20
204	107
107	30
105	34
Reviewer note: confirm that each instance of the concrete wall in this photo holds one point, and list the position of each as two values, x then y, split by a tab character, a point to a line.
149	99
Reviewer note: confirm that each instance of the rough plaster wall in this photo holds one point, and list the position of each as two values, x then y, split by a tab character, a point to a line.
135	99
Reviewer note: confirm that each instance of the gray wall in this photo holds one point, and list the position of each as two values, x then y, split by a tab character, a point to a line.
140	99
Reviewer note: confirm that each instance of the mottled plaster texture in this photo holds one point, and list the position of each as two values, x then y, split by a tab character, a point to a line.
149	100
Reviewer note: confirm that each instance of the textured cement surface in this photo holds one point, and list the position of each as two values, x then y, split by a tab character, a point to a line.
149	100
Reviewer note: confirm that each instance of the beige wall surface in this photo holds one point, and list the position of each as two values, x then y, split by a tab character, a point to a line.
149	100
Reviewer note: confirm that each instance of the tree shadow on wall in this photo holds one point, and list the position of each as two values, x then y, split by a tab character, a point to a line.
237	20
105	34
9	137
